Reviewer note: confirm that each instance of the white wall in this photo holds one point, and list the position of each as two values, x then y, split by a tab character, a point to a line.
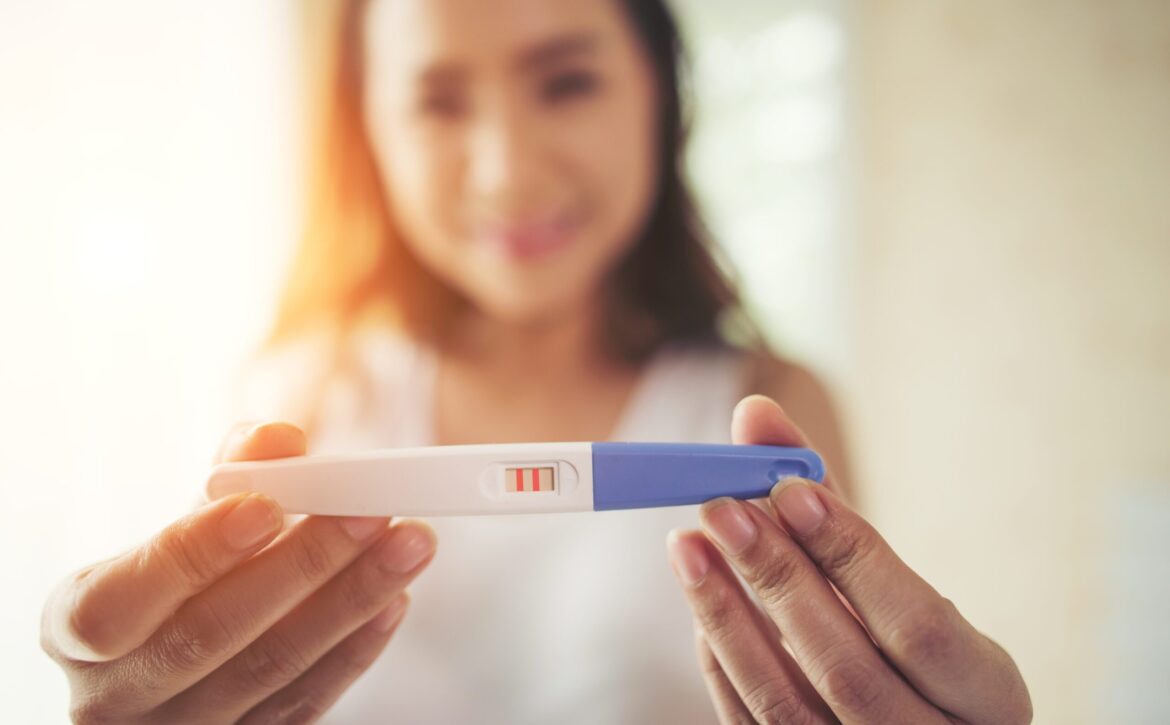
148	171
1012	394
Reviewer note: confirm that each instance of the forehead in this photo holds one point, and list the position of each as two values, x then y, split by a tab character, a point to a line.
405	36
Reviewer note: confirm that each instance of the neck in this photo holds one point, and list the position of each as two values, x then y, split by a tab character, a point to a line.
501	381
568	343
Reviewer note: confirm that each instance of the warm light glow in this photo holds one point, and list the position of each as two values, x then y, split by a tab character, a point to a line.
150	191
147	191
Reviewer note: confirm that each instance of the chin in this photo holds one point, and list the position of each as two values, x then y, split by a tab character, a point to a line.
532	309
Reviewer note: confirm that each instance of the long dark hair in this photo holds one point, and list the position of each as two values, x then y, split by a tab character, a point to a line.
352	266
671	286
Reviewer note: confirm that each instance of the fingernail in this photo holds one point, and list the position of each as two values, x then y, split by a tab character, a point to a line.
405	549
687	558
249	522
798	506
729	523
385	620
360	527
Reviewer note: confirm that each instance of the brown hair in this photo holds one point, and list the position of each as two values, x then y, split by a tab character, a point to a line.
353	269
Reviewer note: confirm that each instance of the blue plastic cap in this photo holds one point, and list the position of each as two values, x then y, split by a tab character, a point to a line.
642	475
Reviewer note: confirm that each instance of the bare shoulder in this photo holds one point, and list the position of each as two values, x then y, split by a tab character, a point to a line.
323	378
273	383
807	400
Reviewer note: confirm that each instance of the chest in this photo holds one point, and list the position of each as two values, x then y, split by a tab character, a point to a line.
480	408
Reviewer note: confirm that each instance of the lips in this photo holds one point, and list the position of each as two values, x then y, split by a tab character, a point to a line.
529	241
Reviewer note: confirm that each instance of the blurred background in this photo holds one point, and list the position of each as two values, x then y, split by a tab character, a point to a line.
959	214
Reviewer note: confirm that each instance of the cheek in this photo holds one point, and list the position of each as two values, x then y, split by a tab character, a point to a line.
420	189
622	159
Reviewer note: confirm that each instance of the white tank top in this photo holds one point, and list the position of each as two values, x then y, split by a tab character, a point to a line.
567	618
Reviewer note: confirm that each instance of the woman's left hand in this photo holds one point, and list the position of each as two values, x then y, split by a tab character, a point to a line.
845	630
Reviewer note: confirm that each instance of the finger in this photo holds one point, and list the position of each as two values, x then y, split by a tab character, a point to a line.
767	682
827	643
314	692
109	609
759	420
921	632
728	707
311	695
215	625
263	441
293	644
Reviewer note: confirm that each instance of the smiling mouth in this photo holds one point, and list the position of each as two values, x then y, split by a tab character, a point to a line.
530	241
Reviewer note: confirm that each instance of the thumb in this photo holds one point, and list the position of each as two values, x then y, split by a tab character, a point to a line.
759	420
258	442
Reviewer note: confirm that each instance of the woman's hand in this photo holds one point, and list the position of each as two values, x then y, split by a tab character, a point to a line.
844	631
222	617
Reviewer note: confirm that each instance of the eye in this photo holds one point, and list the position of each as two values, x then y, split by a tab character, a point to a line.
569	85
442	105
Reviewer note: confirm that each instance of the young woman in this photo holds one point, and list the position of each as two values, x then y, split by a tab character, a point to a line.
501	247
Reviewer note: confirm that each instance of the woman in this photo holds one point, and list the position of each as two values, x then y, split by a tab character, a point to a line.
501	248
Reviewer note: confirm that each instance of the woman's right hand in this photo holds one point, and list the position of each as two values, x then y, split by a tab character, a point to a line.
222	617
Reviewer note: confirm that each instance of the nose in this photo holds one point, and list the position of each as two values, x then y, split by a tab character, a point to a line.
504	164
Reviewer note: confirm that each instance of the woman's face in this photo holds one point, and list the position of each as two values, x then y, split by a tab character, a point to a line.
517	140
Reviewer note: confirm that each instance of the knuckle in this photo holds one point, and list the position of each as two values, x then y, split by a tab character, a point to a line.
721	616
310	702
774	702
844	552
362	594
181	649
189	642
180	554
273	661
854	686
310	558
777	576
927	634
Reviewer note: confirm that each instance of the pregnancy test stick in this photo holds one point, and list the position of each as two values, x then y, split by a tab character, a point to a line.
515	478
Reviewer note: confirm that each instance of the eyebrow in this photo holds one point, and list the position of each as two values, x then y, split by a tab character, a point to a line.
541	54
441	75
556	49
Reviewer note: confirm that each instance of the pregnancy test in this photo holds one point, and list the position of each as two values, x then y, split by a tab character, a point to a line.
515	478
